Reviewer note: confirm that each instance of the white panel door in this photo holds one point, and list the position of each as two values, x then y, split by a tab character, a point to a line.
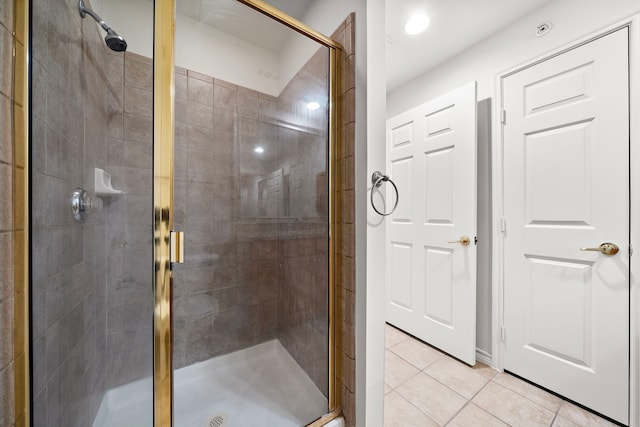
431	283
566	187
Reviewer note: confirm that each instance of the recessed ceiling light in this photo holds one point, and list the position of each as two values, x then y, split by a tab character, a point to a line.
416	24
259	150
313	105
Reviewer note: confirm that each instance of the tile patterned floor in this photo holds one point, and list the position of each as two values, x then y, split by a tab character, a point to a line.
424	388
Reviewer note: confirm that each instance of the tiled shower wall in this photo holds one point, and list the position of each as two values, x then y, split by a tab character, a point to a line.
251	277
255	248
69	258
303	310
246	279
7	292
129	142
345	219
225	292
242	271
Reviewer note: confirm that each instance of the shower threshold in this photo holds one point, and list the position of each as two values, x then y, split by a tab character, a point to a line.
258	386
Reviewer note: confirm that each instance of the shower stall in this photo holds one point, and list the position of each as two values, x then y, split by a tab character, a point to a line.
181	215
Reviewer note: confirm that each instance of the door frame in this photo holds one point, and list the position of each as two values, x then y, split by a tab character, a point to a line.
497	178
163	173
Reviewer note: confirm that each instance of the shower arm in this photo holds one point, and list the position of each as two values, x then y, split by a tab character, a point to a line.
86	11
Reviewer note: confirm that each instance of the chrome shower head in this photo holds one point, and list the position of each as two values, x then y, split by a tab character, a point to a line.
113	40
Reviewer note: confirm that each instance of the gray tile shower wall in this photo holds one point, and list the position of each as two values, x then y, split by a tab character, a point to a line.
7	293
303	311
74	109
69	309
225	293
256	269
129	142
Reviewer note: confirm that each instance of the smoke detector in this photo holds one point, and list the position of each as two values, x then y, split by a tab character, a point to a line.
543	29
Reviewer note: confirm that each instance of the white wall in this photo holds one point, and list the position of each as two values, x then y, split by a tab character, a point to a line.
235	60
509	47
370	156
296	51
323	16
96	5
202	48
199	47
504	50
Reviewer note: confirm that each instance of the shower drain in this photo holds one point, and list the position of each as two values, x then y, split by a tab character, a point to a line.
219	420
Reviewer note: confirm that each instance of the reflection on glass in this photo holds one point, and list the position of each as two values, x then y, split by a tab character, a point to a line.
92	309
251	300
250	308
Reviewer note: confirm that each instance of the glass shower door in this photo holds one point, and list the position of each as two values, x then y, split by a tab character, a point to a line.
91	217
251	301
251	304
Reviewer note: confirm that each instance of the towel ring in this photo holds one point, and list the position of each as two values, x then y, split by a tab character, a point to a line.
377	179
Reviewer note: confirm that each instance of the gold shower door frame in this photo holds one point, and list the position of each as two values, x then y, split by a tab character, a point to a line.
163	135
20	198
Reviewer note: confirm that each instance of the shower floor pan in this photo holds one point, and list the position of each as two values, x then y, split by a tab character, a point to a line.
259	386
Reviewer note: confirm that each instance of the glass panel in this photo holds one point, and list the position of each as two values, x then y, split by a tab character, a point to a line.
251	301
92	302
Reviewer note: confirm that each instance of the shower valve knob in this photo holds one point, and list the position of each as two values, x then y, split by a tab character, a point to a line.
82	204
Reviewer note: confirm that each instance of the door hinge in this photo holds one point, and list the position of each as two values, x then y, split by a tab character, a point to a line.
630	249
503	116
503	225
503	334
177	247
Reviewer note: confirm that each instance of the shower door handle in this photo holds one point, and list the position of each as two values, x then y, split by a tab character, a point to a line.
177	247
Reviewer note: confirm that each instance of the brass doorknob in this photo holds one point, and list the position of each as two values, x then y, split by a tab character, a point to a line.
464	241
606	248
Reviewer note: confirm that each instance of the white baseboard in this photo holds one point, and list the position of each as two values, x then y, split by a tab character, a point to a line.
484	357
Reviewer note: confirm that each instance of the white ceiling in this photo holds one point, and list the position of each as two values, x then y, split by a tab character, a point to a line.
456	25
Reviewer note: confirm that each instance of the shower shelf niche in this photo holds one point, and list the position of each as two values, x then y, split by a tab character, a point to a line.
103	186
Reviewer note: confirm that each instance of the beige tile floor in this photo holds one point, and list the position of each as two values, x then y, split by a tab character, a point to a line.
425	387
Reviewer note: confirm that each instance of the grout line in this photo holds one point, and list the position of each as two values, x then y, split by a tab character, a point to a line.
470	401
526	397
404	381
411	363
419	410
440	382
473	373
445	385
492	379
457	413
493	415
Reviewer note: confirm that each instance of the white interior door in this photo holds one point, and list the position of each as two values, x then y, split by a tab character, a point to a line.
431	283
566	187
